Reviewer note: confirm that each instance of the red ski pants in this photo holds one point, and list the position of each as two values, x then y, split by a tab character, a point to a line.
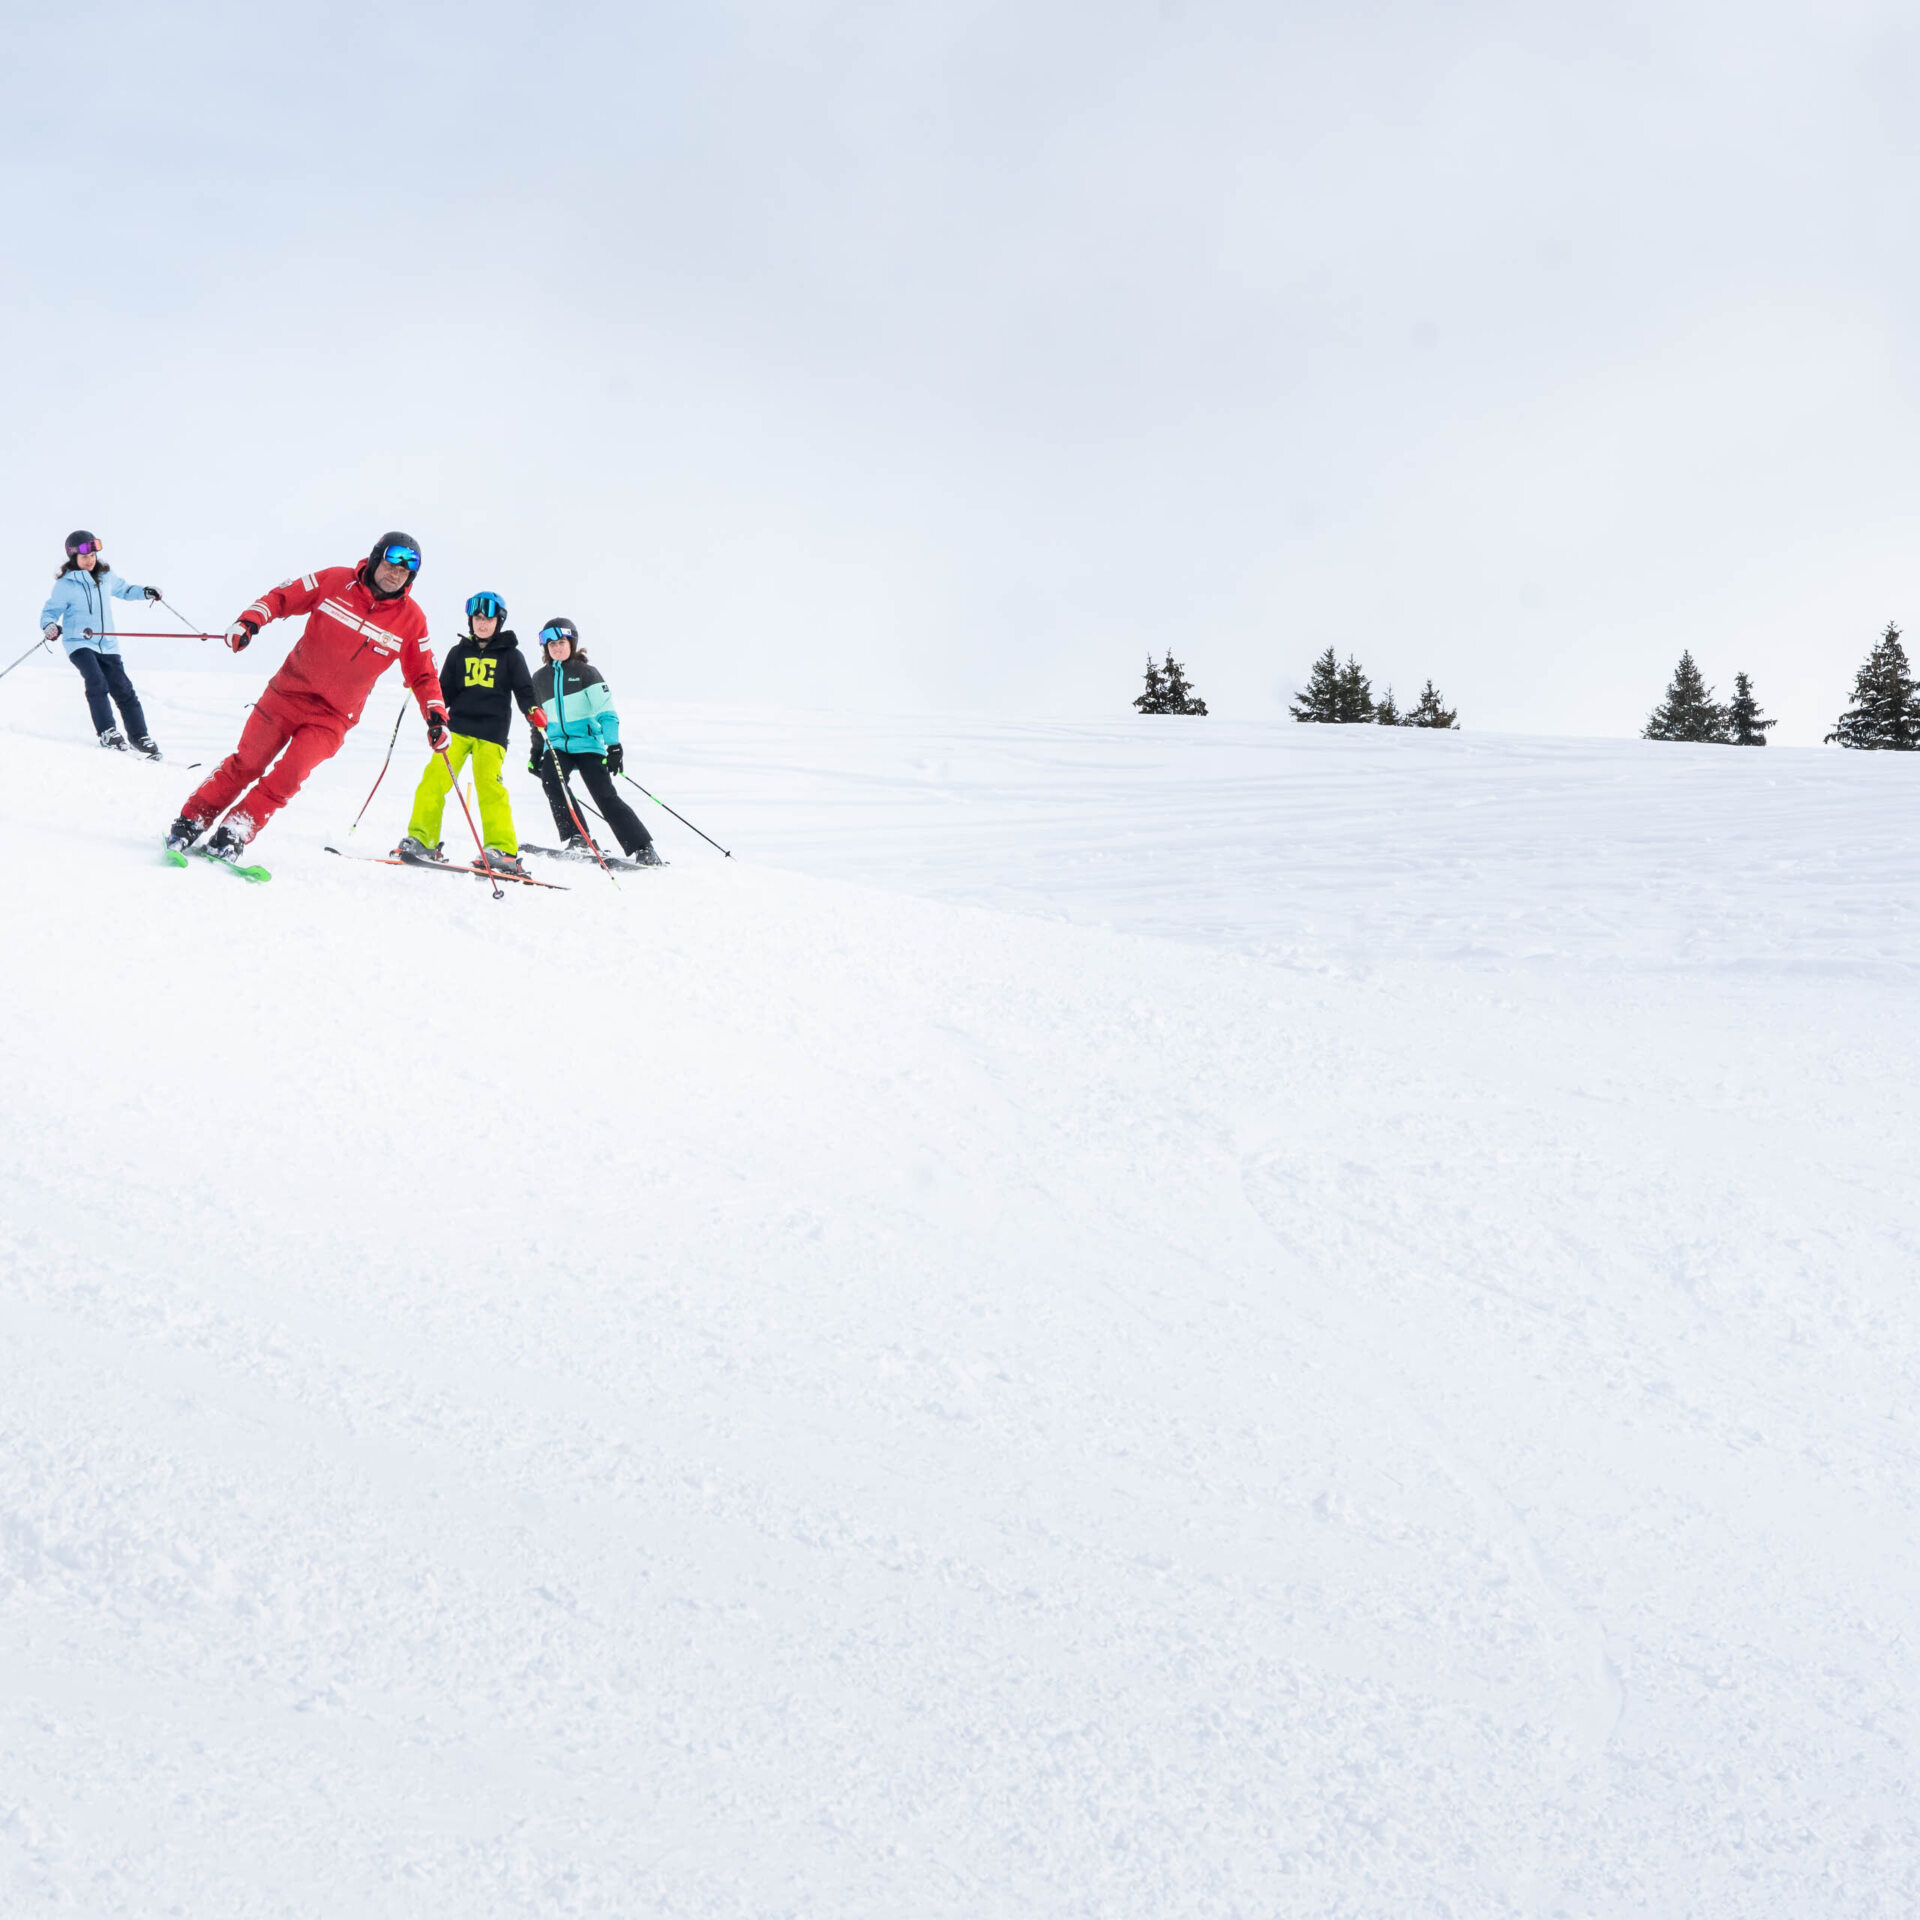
308	732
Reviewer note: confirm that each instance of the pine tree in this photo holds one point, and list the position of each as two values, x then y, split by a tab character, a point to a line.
1319	699
1743	715
1154	700
1689	712
1885	713
1429	712
1181	697
1386	714
1353	695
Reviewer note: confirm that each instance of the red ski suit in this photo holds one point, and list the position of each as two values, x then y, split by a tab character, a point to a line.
351	639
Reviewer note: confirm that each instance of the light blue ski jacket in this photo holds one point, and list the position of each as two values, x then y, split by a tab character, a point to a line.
79	600
579	709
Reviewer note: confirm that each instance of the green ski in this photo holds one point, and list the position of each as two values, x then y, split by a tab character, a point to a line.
175	858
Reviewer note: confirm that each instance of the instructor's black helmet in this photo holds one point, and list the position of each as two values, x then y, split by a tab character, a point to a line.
559	630
79	539
400	547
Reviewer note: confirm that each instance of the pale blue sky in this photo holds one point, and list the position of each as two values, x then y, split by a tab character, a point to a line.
956	354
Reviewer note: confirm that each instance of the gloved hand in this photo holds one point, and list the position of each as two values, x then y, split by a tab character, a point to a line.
154	593
538	754
240	634
439	733
537	717
616	757
51	633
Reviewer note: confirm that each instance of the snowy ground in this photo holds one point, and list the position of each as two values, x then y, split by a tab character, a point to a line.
1134	1319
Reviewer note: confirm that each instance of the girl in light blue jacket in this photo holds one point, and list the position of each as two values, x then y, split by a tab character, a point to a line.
79	616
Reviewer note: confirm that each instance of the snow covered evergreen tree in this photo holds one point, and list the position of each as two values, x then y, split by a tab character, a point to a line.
1884	713
1181	697
1319	699
1385	713
1430	711
1689	712
1168	690
1743	715
1353	695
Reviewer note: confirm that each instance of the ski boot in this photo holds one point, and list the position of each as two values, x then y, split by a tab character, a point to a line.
114	739
183	833
147	746
647	856
577	846
416	853
226	844
500	863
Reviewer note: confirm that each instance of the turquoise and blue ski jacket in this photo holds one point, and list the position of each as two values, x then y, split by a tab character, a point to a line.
579	709
79	601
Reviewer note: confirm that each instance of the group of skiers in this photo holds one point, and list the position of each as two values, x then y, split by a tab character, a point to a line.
360	619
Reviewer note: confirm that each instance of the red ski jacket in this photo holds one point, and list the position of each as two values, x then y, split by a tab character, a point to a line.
351	639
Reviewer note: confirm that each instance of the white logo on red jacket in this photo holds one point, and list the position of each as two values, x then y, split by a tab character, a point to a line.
381	638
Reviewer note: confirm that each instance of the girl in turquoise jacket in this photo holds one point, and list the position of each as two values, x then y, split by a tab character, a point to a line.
582	736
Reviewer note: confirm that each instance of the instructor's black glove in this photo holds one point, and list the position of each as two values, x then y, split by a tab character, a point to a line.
616	758
154	593
538	754
439	733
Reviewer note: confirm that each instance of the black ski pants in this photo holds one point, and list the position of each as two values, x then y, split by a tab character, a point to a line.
606	796
106	674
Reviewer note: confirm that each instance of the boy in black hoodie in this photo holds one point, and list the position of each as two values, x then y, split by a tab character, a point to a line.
482	674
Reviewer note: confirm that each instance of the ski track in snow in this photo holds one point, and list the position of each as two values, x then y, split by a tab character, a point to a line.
1124	1319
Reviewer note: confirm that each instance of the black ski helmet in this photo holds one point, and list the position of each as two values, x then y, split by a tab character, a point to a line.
379	553
79	538
559	630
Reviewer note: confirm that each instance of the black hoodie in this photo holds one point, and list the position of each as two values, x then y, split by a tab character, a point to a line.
476	681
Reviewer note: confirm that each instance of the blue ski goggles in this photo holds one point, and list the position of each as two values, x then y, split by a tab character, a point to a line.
408	557
486	606
560	630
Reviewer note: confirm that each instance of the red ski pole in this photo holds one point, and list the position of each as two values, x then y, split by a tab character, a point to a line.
479	846
560	777
384	765
124	633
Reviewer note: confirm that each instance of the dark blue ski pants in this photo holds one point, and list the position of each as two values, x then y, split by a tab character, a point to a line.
106	673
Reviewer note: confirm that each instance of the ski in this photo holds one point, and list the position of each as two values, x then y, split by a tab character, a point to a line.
612	859
175	858
448	866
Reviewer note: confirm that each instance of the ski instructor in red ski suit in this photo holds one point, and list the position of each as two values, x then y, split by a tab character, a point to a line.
359	618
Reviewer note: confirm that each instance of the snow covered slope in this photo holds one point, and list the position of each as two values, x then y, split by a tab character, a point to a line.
863	1380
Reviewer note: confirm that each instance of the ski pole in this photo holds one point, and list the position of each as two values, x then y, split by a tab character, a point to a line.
43	641
560	776
681	817
184	621
93	633
453	780
384	765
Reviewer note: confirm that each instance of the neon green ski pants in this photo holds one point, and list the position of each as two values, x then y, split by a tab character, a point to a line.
496	811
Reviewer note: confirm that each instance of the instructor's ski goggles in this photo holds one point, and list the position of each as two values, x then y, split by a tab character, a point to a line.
486	606
81	548
408	557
